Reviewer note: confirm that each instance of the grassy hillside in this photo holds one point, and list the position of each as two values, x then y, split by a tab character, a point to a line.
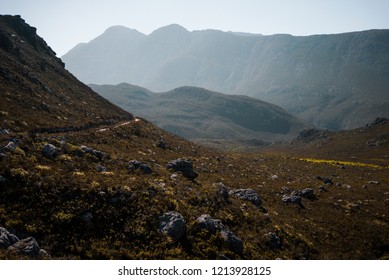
212	118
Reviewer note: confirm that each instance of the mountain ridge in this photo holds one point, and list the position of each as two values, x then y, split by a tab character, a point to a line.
335	81
202	115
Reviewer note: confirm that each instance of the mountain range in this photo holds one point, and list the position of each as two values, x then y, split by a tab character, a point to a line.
81	178
208	117
335	81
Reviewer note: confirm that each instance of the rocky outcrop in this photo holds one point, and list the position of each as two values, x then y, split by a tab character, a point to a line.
173	224
183	166
27	247
247	194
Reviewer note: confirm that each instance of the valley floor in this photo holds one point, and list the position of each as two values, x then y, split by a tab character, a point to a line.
86	200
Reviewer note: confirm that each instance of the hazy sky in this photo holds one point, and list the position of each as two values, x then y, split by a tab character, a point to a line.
65	23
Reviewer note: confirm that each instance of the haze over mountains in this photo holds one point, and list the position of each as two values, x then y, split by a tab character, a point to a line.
207	116
333	81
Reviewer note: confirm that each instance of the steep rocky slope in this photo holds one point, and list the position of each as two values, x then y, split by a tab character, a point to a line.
336	81
125	189
37	92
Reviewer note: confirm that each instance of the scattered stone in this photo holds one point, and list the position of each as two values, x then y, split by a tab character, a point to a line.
296	193
374	182
2	179
285	189
206	222
232	241
93	152
295	199
273	240
184	166
7	239
274	177
308	193
173	224
49	151
27	247
101	168
322	189
135	164
325	180
145	168
247	194
347	187
222	191
10	147
161	144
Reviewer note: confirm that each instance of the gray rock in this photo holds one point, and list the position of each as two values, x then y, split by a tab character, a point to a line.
135	164
2	179
173	224
101	168
222	191
145	168
308	193
184	166
295	199
247	194
7	239
98	154
234	243
206	222
327	181
10	147
49	151
273	240
27	247
374	182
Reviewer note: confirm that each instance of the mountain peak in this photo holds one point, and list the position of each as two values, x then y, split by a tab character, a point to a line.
120	29
170	29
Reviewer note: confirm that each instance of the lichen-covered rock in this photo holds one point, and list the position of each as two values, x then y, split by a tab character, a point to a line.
232	241
273	240
98	154
49	151
222	191
173	224
206	222
7	239
184	166
308	193
247	194
294	199
27	247
135	164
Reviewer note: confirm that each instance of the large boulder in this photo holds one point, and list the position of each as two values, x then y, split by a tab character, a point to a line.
206	222
7	239
173	224
26	247
184	166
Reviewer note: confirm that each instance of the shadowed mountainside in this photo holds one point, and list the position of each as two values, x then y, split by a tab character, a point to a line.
209	117
336	81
